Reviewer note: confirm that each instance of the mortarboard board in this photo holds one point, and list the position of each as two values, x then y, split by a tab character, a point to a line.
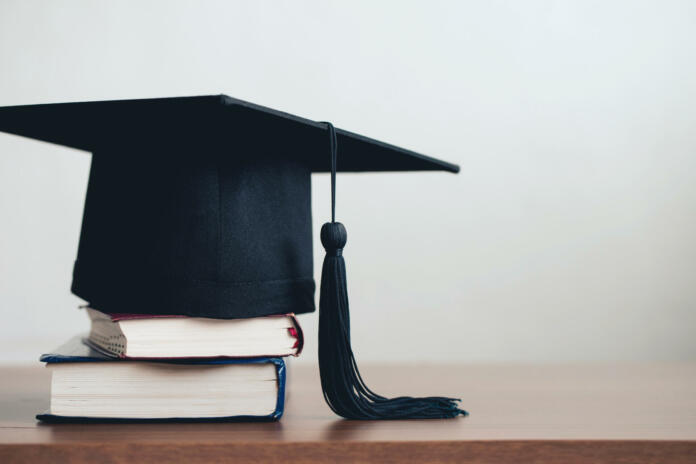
201	206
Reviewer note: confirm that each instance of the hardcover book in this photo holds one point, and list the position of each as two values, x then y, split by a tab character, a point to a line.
148	336
88	385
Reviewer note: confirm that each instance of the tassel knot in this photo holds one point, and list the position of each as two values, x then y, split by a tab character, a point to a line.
333	238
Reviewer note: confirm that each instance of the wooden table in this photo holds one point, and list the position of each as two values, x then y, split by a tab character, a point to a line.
563	413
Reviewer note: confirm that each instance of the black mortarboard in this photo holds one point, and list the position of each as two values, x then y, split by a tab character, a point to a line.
201	206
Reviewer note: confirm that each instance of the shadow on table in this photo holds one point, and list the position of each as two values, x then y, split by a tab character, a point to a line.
186	431
346	430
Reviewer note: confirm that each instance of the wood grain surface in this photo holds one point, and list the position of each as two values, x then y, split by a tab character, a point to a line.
550	413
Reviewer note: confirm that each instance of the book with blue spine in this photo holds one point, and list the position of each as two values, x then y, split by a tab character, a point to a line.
88	385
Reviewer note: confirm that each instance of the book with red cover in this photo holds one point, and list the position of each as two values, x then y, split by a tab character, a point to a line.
136	336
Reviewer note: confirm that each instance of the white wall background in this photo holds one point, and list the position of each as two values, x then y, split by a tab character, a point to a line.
569	235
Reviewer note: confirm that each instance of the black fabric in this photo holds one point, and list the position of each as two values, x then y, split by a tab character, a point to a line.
188	229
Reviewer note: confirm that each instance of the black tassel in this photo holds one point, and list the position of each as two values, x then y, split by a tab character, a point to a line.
344	389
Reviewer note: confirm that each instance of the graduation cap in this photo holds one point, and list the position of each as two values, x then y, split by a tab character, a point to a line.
201	206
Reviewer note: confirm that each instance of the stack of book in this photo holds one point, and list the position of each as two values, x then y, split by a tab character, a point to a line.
138	367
